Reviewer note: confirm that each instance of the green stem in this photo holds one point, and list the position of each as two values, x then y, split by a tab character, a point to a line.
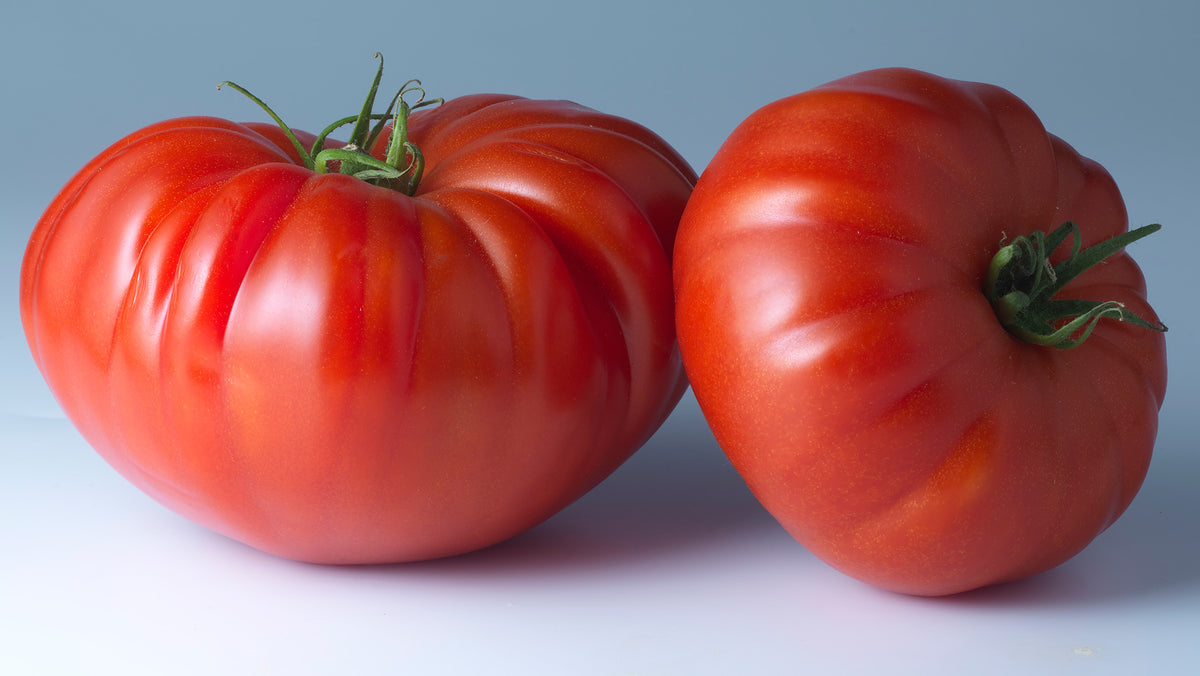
364	116
1022	283
354	158
357	164
304	153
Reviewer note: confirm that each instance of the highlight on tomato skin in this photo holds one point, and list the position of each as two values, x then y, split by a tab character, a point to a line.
908	315
411	344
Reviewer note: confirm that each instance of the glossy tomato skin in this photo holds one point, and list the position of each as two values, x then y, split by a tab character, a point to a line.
336	372
829	275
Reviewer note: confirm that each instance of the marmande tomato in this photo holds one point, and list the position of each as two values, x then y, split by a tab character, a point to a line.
861	294
324	367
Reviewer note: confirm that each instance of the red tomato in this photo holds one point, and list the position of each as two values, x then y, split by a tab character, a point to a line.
335	371
834	276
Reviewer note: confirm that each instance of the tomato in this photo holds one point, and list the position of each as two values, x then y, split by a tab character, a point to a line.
288	348
869	321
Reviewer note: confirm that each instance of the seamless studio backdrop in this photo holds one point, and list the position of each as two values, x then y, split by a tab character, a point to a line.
670	566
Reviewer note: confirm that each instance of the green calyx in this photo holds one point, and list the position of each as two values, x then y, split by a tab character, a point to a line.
1022	283
403	165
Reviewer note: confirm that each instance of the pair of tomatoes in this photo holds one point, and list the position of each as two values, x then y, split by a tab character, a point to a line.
436	336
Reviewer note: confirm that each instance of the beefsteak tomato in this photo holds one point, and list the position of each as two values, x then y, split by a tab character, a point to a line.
339	357
866	294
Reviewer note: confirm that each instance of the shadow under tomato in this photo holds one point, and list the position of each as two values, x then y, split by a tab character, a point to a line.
677	493
1152	550
680	497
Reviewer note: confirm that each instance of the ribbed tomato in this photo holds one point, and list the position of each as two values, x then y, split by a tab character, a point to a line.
339	358
874	330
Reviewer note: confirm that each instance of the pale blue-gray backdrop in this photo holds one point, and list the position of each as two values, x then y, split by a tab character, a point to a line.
1117	79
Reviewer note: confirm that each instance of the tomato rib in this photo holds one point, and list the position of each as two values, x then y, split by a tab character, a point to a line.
335	371
895	426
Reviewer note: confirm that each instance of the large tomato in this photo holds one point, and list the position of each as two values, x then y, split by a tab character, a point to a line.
873	332
289	349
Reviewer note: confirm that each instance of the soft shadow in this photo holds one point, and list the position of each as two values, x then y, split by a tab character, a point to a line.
677	494
1152	550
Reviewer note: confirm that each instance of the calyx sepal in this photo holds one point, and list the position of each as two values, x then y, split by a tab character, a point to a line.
354	158
1022	283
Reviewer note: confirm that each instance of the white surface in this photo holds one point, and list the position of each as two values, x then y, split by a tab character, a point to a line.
669	567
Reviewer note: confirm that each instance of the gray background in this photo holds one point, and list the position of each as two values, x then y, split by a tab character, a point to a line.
670	566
